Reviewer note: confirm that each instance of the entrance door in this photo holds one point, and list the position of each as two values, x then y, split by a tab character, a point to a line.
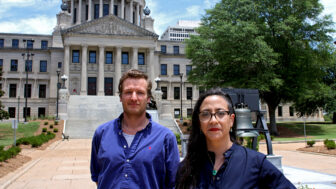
92	86
108	86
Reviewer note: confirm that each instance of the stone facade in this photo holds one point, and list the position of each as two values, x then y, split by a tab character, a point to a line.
93	50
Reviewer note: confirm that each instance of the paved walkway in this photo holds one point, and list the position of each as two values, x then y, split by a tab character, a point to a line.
65	164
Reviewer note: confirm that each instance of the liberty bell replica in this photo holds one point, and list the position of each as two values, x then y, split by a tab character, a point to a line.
244	121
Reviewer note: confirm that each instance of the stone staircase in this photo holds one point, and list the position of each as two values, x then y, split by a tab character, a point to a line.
86	113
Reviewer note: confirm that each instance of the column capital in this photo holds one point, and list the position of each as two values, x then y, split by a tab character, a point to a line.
101	46
84	45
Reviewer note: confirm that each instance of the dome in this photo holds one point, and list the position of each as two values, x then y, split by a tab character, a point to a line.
146	11
64	6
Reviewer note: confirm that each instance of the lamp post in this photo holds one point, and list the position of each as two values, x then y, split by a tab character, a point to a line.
58	87
181	118
27	55
157	80
64	78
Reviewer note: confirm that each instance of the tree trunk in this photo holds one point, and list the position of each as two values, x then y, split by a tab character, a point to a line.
334	118
273	127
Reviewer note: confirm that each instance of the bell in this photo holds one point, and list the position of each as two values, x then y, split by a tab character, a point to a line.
244	123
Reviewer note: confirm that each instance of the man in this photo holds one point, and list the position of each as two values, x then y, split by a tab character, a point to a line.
132	151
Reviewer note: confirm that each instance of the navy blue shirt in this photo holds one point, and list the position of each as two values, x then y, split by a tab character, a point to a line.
243	168
150	162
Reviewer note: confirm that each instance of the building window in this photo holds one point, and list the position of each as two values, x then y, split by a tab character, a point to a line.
108	57
92	57
12	90
1	64
15	43
124	58
188	69
41	112
59	65
176	93
14	65
164	92
44	44
108	86
176	69
11	111
163	49
29	65
291	111
28	112
115	10
176	50
75	56
1	43
141	58
280	111
189	112
163	69
96	11
189	93
177	113
42	91
106	9
30	44
43	66
27	90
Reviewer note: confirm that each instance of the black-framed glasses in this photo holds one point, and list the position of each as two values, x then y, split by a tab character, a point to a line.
206	116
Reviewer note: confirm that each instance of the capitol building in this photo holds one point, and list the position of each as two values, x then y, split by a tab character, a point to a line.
93	44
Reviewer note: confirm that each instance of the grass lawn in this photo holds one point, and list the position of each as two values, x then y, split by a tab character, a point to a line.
24	130
313	131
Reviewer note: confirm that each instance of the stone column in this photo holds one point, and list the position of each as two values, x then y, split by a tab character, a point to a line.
117	70
135	58
112	7
151	64
66	64
131	12
101	71
90	10
122	9
72	10
34	88
100	8
141	14
79	20
137	15
83	90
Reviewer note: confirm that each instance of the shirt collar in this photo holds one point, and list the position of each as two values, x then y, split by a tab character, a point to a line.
149	125
227	154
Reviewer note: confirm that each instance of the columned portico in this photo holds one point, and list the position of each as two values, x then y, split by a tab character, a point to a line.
137	15
117	70
83	90
151	64
100	8
131	12
135	58
79	20
90	11
122	9
101	71
112	7
66	64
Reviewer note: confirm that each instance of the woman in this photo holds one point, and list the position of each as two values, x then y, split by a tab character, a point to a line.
214	160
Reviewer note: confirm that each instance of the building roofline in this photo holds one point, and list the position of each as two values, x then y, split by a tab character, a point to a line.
24	34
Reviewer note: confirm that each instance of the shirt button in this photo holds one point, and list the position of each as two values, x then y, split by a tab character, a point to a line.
218	178
119	133
127	160
124	146
125	175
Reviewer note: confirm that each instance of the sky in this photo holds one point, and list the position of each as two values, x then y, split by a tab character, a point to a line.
39	16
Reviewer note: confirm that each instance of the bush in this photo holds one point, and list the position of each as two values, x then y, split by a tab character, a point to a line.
36	141
330	144
311	143
46	123
11	152
55	130
44	130
178	138
185	123
325	141
55	122
51	126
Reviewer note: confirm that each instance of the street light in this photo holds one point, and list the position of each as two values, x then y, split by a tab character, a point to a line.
27	55
58	87
64	78
181	118
157	80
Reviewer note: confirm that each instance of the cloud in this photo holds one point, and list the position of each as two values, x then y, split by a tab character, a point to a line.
194	11
36	25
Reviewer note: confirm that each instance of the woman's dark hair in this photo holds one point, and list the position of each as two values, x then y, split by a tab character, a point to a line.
189	170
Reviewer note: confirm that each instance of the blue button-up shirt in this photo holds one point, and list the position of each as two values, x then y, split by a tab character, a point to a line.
150	162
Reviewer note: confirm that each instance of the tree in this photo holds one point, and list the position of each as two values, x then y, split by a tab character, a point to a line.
3	114
270	45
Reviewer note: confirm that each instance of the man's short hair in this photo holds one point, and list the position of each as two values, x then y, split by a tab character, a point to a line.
135	74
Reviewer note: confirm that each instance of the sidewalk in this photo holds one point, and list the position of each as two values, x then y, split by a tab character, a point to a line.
66	164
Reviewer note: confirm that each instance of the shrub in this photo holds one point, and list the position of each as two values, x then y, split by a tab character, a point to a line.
325	141
311	143
1	148
44	129
11	152
178	138
51	117
330	144
55	130
185	123
51	126
55	122
46	123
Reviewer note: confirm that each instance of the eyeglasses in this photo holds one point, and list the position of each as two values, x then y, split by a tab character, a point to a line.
206	116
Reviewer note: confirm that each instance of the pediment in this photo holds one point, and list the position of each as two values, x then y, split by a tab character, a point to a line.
109	25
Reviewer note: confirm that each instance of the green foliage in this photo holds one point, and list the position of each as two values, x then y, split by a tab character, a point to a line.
178	138
51	117
311	143
304	187
51	126
55	122
44	130
36	141
55	130
11	152
24	130
46	123
330	144
278	47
